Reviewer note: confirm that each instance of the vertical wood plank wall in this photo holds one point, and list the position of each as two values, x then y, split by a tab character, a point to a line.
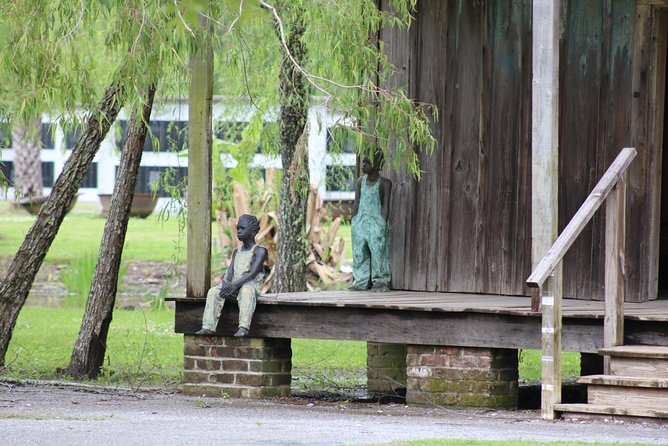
466	227
596	74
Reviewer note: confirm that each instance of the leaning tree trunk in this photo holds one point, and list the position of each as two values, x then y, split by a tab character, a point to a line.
294	102
26	141
16	285
90	347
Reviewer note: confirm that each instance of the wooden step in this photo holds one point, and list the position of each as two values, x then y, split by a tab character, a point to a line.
624	381
595	409
638	360
624	397
636	351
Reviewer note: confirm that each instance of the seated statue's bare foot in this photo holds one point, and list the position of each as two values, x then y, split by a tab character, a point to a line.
204	332
242	332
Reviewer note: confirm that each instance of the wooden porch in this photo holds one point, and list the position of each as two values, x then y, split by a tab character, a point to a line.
430	318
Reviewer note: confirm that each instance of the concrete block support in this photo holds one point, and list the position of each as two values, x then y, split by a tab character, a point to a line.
462	376
386	368
237	367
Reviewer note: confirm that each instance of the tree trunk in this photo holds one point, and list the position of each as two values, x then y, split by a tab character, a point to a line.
200	138
26	141
294	103
16	285
90	347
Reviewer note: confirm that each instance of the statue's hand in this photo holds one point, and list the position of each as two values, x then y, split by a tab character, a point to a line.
226	289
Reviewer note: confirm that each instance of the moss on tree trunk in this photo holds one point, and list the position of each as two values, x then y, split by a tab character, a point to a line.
294	103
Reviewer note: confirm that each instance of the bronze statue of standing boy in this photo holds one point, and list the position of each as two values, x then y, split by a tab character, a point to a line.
371	253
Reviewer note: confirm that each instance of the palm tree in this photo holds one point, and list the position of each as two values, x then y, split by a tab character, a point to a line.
26	141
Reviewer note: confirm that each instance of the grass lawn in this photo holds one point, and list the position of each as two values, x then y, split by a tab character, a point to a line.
80	233
142	346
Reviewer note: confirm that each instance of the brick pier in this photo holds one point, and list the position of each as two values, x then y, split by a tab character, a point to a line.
237	367
462	376
386	368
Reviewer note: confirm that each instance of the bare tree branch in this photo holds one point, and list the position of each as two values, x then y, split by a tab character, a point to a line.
178	11
241	7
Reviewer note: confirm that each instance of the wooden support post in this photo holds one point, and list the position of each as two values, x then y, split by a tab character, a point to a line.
198	274
544	188
615	235
551	344
545	130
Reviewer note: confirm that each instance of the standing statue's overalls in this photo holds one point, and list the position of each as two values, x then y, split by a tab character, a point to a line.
371	256
246	296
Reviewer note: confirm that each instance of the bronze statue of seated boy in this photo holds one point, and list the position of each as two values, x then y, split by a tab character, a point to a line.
242	281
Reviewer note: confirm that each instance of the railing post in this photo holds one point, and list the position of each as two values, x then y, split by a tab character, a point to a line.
551	292
615	234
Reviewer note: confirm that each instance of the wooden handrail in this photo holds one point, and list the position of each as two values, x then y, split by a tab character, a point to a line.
547	282
581	218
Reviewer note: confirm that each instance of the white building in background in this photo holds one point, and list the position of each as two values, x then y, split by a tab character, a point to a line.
334	174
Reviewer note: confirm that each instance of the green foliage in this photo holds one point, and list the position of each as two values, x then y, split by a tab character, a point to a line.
241	142
344	67
157	302
78	277
242	151
60	55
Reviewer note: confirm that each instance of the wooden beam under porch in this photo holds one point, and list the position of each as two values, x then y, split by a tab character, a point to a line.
429	318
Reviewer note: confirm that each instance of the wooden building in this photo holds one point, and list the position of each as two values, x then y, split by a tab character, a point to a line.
466	226
535	103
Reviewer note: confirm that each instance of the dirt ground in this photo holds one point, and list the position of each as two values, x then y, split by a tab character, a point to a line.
48	414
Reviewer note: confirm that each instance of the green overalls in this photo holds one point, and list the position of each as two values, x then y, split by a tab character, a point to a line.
371	254
246	296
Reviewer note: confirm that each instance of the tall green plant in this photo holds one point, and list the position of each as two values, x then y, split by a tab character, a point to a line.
78	276
77	279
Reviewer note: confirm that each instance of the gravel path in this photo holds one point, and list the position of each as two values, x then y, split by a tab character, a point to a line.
50	415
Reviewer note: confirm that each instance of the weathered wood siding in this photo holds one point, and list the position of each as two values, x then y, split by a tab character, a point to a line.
466	227
596	79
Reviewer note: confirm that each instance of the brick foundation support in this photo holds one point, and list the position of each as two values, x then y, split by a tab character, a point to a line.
386	368
237	367
462	376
